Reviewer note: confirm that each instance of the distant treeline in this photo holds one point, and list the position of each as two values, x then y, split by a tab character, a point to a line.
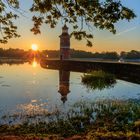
19	53
13	53
105	55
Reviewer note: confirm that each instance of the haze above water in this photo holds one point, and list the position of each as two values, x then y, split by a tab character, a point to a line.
29	87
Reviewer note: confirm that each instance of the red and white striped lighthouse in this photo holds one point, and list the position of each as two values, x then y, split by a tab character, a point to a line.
64	44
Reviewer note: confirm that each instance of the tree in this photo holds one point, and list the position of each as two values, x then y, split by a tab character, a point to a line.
79	13
7	27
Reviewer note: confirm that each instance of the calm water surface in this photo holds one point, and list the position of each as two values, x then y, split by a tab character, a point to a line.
28	87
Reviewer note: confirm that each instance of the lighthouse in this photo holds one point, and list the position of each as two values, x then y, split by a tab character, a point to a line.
64	44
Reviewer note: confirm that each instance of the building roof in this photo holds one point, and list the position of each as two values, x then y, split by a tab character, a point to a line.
65	27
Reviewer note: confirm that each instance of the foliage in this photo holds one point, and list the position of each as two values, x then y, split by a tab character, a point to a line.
79	13
19	53
113	136
102	14
50	53
98	80
130	55
16	53
83	54
101	119
80	54
7	28
106	55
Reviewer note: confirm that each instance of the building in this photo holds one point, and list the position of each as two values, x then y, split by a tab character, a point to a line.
64	77
64	44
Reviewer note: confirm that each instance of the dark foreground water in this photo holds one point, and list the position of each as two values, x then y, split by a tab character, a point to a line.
28	88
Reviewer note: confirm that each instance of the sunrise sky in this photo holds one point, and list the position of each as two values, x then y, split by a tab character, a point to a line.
127	37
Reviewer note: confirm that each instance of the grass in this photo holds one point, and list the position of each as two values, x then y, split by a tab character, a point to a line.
98	80
107	119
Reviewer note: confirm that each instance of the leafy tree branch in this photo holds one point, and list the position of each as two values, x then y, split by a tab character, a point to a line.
88	13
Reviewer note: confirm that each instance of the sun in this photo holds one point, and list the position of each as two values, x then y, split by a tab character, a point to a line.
34	47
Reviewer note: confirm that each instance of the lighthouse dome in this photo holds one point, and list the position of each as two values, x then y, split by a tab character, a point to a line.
65	29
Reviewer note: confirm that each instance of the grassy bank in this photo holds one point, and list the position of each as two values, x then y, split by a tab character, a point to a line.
98	120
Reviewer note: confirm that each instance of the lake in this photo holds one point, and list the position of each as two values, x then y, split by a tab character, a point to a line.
30	88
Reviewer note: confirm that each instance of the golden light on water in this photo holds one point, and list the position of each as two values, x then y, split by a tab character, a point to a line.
34	47
34	108
34	63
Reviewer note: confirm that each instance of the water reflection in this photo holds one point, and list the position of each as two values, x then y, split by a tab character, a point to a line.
38	91
98	80
12	61
64	85
34	63
35	107
101	81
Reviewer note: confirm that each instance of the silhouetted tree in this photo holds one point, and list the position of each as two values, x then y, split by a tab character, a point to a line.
13	53
110	55
19	53
50	53
80	54
130	55
101	14
123	54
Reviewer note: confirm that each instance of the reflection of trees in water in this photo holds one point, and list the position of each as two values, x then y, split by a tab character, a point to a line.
98	80
12	61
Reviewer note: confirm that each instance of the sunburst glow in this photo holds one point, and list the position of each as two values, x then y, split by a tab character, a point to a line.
34	47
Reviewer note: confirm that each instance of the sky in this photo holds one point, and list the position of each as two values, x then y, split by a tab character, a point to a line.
127	37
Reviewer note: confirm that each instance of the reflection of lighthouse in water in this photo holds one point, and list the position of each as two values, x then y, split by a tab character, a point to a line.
64	77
